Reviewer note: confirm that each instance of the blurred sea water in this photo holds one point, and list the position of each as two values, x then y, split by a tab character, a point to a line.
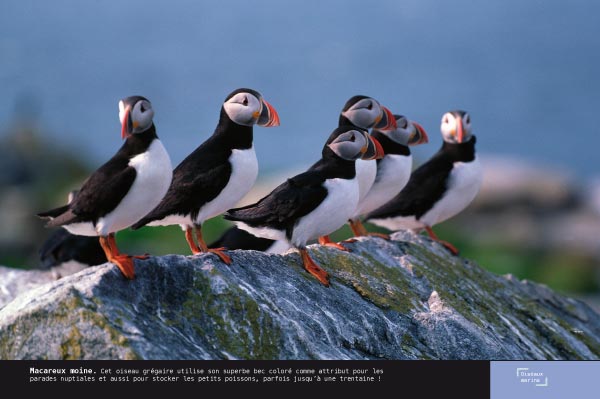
526	70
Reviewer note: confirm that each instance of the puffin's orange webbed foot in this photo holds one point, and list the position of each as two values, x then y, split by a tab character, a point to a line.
380	235
450	247
125	264
314	269
446	244
219	252
324	240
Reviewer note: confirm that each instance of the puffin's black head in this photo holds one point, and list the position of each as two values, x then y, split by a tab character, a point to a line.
366	112
247	107
351	143
456	127
407	132
135	114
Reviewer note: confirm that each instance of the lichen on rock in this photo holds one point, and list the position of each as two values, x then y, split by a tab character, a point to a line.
407	298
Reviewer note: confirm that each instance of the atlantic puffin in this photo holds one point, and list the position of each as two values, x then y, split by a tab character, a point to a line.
440	188
218	174
122	190
314	203
62	248
393	170
236	238
362	112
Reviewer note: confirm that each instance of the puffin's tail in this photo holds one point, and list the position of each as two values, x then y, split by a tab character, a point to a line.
53	213
245	214
141	223
58	216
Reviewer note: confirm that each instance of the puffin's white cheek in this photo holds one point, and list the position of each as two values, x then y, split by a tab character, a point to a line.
239	114
145	120
359	118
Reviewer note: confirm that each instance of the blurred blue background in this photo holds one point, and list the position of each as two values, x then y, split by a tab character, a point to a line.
526	70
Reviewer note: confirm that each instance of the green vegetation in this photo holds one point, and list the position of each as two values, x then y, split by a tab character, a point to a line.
164	240
566	271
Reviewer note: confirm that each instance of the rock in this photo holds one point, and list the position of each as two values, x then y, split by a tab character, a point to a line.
403	299
16	281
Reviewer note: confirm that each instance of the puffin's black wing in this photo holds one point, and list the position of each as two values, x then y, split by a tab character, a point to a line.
290	201
198	179
426	186
105	189
100	194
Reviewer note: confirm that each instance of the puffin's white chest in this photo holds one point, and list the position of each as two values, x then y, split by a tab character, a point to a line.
244	171
393	172
332	212
366	171
153	177
463	185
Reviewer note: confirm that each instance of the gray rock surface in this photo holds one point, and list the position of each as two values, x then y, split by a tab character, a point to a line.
16	281
403	299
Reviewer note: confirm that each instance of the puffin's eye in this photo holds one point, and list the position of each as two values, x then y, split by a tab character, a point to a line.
245	102
352	138
142	107
402	123
445	120
468	120
370	106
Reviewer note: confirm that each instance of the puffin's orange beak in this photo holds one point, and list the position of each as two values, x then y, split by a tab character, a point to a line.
268	117
379	152
420	136
387	122
374	149
459	131
126	124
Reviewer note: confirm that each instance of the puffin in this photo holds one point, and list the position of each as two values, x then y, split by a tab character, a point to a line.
314	203
124	189
62	248
393	170
236	238
217	174
440	188
362	112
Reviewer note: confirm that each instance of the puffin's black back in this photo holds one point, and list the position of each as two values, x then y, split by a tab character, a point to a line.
282	208
428	183
235	238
